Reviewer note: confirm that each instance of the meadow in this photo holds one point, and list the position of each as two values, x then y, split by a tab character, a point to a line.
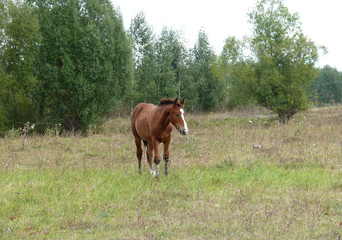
236	175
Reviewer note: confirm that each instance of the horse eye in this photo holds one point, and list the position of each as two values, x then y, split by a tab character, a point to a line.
177	115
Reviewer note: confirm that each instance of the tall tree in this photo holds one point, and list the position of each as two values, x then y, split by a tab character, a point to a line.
171	55
145	67
19	40
85	65
328	86
230	69
283	59
188	82
209	88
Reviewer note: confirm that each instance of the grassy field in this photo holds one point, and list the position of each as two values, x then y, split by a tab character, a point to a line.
237	175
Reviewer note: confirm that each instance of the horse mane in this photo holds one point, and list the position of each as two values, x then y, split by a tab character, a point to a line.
166	101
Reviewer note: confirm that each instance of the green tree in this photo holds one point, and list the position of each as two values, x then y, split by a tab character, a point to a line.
85	65
160	62
208	87
171	57
19	40
145	65
231	69
328	86
188	84
283	59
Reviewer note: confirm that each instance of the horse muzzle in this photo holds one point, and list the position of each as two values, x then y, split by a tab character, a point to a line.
183	131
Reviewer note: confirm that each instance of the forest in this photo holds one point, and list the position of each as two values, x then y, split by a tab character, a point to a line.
72	63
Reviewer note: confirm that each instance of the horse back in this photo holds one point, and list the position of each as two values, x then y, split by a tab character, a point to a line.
140	120
142	111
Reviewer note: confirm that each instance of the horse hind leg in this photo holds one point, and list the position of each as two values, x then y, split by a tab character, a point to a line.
139	152
149	155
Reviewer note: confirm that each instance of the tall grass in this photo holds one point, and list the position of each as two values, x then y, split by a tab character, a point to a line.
236	175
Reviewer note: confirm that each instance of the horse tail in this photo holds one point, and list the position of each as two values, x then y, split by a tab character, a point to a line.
145	143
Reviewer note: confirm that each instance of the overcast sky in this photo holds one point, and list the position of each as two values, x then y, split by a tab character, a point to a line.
321	20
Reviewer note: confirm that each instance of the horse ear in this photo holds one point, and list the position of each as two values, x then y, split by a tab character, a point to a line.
175	102
182	102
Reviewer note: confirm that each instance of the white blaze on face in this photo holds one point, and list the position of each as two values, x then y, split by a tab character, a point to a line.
185	125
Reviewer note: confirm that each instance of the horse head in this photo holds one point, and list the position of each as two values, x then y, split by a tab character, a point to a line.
177	116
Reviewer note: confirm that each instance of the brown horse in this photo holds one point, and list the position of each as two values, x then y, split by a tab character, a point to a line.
153	125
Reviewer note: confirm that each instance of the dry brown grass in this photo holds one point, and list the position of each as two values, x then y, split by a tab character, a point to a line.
237	175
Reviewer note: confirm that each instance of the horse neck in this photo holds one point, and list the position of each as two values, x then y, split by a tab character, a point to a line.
165	114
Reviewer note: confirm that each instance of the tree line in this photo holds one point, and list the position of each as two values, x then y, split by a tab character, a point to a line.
71	62
327	87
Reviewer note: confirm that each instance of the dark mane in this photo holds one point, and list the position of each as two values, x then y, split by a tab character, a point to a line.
166	101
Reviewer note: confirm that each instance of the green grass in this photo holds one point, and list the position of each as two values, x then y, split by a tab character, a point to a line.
219	186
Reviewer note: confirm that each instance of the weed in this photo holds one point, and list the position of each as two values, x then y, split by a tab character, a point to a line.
220	185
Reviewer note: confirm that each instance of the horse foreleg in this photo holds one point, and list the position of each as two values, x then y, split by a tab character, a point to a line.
155	144
166	155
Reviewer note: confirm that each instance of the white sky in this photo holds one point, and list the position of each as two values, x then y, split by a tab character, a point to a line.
220	19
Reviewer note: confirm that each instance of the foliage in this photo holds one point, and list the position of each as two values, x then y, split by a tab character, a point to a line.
145	70
231	70
71	62
160	62
328	86
188	85
283	59
85	65
208	87
19	38
170	55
